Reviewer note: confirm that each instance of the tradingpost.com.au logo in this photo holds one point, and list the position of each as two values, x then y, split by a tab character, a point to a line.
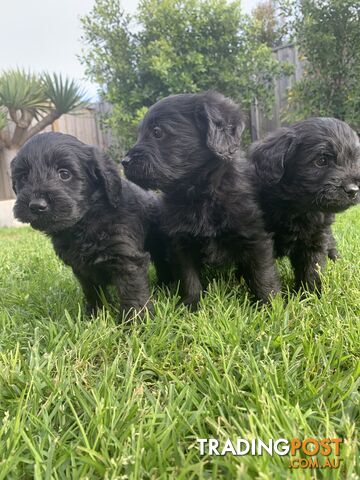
302	452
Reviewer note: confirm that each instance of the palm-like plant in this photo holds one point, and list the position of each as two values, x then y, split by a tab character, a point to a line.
62	95
21	90
3	119
27	97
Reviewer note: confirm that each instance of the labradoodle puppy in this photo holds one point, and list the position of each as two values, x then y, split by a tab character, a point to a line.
306	173
189	147
99	224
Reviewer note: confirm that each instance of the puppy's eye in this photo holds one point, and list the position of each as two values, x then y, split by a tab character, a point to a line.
23	177
157	132
64	175
322	161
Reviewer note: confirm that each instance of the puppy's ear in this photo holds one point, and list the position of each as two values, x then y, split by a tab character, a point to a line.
223	123
271	154
106	172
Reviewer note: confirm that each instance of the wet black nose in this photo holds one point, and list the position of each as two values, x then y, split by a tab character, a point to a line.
38	205
126	160
351	189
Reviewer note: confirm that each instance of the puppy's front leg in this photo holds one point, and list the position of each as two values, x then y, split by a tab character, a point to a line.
158	245
332	251
132	284
257	266
307	262
187	261
91	293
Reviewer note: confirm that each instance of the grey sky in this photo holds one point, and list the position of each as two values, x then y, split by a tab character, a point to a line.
45	34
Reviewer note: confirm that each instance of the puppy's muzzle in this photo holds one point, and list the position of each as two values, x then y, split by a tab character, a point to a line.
133	156
38	206
125	161
351	189
138	154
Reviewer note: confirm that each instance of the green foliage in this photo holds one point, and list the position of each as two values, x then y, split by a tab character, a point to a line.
64	94
88	398
328	35
3	118
21	90
171	47
268	24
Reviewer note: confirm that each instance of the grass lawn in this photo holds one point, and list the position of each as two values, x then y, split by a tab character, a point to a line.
84	398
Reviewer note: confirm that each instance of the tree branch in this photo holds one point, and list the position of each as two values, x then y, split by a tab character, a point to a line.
5	140
13	115
18	135
22	124
48	120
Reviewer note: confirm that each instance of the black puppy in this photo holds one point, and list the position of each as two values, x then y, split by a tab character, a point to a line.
99	224
306	173
188	146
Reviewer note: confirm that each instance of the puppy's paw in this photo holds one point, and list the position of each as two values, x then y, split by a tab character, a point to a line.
149	308
266	292
91	310
192	302
333	254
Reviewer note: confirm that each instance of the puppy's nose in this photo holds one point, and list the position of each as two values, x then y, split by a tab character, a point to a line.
126	160
351	189
38	205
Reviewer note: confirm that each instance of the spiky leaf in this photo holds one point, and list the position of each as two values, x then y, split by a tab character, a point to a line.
21	90
65	94
3	118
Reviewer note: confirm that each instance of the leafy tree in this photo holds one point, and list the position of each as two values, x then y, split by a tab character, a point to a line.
171	47
267	24
328	35
29	103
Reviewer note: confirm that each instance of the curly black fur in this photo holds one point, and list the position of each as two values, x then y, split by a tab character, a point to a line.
188	147
306	173
99	224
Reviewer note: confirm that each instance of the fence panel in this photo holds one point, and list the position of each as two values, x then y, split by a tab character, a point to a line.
84	125
260	123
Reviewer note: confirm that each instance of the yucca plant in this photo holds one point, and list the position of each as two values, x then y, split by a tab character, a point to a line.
21	90
23	96
26	97
3	119
62	95
29	103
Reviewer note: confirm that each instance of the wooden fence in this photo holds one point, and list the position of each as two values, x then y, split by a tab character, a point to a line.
85	125
260	123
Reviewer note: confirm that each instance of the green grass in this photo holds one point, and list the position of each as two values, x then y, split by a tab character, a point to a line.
84	398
